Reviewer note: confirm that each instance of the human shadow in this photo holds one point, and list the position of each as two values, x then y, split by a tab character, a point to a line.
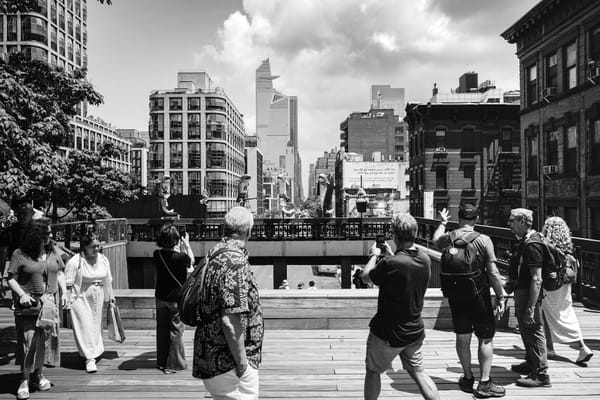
402	382
10	382
72	360
8	344
143	361
502	376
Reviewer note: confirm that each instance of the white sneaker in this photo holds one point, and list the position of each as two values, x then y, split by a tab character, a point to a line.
23	390
43	383
585	353
90	366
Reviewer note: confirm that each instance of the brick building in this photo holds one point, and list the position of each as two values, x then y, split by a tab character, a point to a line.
558	46
464	152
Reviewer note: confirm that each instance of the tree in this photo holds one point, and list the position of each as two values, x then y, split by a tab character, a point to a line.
311	206
37	102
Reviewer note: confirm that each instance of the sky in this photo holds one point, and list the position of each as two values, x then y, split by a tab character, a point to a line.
328	53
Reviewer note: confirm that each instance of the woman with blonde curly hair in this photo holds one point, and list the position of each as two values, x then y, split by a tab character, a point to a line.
561	323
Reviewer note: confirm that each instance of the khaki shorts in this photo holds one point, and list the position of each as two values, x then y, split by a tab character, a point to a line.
380	355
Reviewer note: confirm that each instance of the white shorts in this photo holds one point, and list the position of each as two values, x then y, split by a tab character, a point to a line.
228	386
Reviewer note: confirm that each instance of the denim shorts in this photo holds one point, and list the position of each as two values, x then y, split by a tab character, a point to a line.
380	355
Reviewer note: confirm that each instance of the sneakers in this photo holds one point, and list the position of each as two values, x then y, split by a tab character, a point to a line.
585	353
466	384
90	366
23	390
489	389
522	369
534	381
43	383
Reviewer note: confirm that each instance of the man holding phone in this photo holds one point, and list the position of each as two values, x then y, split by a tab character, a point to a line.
397	328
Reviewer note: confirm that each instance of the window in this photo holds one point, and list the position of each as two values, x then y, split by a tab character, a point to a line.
531	90
215	103
157	104
506	144
69	23
216	126
469	177
35	53
77	9
175	103
216	183
78	55
571	149
532	158
70	49
194	182
157	126
595	46
176	155
61	17
194	131
61	43
53	12
77	30
215	155
11	28
551	72
595	223
572	219
468	143
595	139
194	155
441	177
53	39
175	126
440	138
571	65
552	148
194	103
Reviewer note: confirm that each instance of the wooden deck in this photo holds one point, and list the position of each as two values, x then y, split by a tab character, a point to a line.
298	364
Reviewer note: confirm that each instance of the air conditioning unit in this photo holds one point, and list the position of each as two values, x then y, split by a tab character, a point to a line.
549	92
440	150
420	187
594	74
550	169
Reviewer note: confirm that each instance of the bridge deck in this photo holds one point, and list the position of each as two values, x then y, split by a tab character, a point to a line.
297	364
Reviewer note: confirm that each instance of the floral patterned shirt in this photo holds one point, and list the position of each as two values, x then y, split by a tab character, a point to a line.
230	288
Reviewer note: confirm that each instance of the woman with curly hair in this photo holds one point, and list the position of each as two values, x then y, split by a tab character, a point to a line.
561	323
30	276
89	274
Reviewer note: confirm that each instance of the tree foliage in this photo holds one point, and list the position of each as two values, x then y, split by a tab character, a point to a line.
37	102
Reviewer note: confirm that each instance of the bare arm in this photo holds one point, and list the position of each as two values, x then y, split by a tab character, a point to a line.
24	298
441	229
234	334
369	267
535	286
495	278
60	278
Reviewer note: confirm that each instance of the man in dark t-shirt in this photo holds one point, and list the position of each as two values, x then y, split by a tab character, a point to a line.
397	328
525	276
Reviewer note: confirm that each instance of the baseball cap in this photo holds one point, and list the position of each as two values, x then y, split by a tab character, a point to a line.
467	211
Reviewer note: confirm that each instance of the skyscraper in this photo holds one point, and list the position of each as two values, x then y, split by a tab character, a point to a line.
277	128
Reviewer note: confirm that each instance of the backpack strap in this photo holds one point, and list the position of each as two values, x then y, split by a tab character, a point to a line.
468	237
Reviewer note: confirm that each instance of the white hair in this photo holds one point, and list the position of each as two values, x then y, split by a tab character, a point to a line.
238	221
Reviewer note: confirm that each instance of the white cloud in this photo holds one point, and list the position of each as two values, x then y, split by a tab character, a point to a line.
328	53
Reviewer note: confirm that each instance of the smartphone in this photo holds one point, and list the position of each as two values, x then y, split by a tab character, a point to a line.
380	242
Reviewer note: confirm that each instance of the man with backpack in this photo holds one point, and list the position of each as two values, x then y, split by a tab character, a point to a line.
229	333
529	257
468	270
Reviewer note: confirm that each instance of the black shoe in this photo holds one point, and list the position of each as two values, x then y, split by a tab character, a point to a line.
466	384
522	368
489	389
534	381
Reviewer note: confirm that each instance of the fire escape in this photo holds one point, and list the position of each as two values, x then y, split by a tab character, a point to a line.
503	187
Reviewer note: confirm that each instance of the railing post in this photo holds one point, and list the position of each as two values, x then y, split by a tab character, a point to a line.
67	237
346	273
578	288
279	271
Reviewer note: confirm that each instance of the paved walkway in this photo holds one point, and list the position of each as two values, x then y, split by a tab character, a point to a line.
299	364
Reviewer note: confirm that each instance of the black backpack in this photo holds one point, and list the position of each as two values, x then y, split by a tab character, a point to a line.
462	275
563	265
191	293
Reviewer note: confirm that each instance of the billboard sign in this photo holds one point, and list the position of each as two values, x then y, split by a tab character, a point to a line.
375	175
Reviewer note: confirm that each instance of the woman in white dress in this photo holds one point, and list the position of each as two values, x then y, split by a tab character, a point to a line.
89	274
561	323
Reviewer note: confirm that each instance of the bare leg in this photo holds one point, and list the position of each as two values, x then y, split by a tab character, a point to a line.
463	349
485	354
372	385
426	385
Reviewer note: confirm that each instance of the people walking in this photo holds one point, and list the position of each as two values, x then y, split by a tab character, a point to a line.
171	272
473	313
229	335
560	322
397	328
89	274
527	260
28	279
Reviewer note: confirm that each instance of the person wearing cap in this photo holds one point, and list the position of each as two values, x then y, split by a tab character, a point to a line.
476	315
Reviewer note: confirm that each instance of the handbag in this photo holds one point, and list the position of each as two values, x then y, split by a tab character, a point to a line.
114	324
27	311
48	316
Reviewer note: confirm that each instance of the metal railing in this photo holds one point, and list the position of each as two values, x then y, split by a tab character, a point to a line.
107	230
273	229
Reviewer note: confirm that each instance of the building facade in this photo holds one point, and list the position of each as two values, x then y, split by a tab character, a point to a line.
140	146
254	168
324	165
377	134
277	128
385	97
197	139
464	153
558	47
